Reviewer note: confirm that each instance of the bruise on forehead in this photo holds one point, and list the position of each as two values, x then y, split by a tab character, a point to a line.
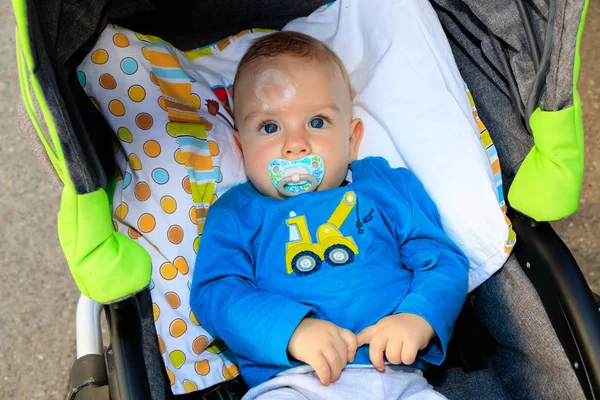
273	88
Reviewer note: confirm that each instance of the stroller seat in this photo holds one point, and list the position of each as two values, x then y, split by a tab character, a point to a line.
175	152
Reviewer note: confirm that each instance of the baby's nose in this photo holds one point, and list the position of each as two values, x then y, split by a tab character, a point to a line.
296	146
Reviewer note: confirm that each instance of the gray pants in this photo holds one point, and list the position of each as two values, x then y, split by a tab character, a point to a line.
358	382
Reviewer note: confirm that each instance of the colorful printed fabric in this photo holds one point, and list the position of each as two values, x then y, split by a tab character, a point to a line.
173	134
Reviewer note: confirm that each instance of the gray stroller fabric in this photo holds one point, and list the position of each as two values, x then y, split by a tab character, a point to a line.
483	34
529	359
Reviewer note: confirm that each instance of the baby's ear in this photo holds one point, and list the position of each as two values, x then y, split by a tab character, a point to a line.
356	135
238	143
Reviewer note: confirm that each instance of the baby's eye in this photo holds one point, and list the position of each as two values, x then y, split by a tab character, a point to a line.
269	128
318	123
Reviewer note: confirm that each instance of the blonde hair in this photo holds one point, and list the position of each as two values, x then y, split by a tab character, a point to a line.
293	44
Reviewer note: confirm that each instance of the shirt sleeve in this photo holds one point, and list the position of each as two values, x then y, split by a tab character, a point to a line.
440	270
256	325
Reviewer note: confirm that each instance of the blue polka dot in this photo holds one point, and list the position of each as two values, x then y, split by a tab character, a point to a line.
126	180
129	65
160	176
81	78
151	285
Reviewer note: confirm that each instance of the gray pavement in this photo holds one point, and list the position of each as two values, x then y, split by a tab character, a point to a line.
37	329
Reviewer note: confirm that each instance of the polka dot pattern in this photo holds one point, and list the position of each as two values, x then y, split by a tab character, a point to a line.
177	328
160	176
168	204
144	121
153	202
136	93
116	108
129	66
152	148
107	81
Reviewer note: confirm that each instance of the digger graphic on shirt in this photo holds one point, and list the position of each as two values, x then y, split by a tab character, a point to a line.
303	256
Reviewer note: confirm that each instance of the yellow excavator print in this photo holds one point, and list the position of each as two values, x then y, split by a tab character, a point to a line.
305	257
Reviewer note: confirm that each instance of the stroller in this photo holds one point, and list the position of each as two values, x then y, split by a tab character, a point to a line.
531	331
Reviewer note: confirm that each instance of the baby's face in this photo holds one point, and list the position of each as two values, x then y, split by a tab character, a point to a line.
289	108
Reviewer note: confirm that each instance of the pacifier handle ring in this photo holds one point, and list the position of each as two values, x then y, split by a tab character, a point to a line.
305	177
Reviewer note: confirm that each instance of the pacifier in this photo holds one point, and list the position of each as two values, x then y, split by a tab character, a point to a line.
293	177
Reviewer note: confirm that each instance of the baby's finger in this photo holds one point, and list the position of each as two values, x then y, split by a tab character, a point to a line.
335	361
321	367
409	353
365	336
376	349
393	351
351	343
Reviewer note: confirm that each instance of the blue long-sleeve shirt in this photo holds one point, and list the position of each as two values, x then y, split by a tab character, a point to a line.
376	248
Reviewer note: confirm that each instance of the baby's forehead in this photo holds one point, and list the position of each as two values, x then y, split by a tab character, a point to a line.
290	68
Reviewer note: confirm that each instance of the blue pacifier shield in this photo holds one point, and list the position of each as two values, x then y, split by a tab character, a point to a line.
293	177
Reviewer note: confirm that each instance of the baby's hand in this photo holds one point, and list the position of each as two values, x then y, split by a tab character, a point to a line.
400	336
324	346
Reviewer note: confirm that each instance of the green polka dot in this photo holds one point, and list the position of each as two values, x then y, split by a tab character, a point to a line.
177	358
125	134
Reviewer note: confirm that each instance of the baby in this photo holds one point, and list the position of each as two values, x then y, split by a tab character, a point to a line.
329	277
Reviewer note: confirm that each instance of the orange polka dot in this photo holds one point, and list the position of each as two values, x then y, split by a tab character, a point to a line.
161	345
173	300
135	162
213	148
177	358
171	376
154	78
175	234
181	264
116	226
230	372
136	93
162	103
202	367
133	233
194	319
177	328
146	223
120	40
185	183
199	344
179	157
144	121
146	53
196	101
168	271
121	211
192	215
142	191
155	311
189	386
152	148
100	56
107	81
116	108
168	204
